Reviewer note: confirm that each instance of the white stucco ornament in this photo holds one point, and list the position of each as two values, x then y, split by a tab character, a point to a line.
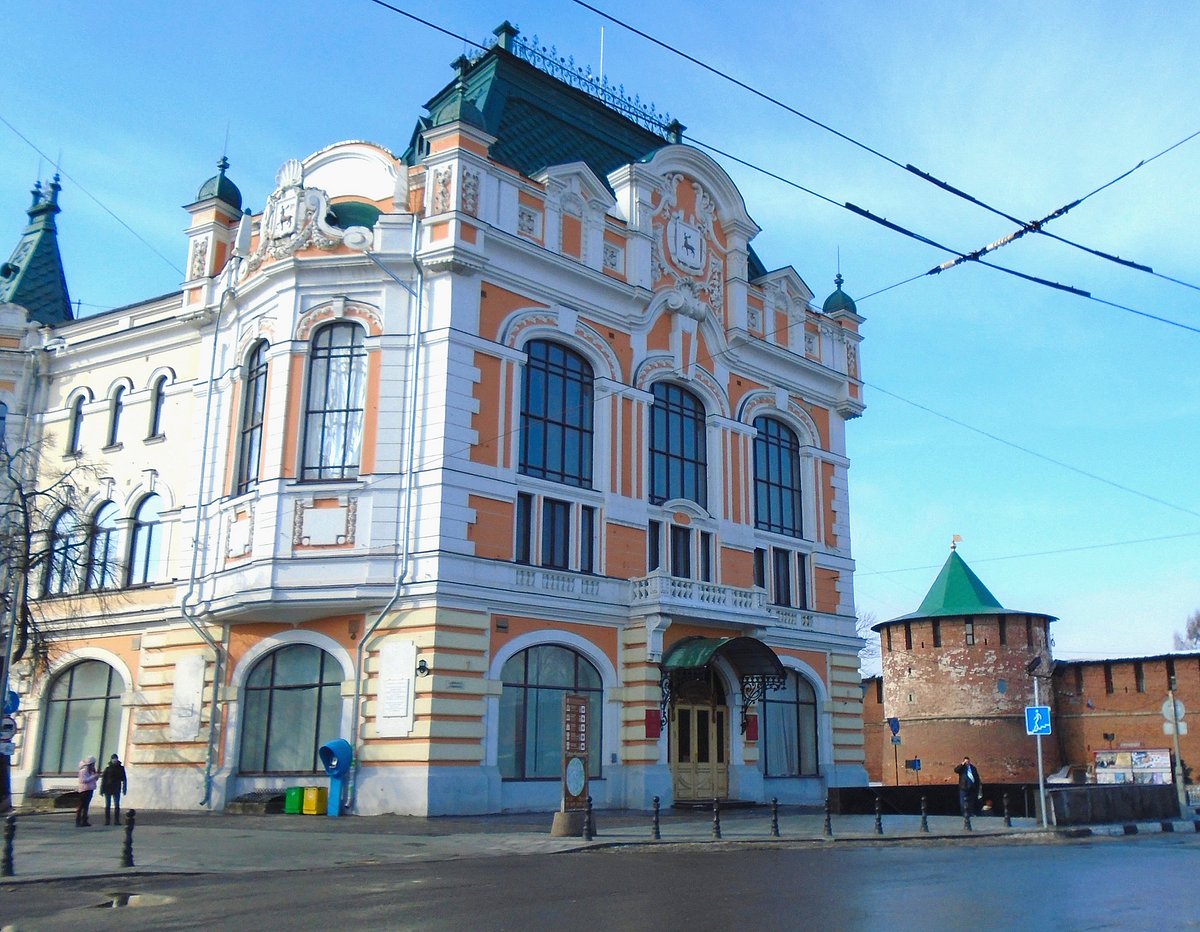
295	218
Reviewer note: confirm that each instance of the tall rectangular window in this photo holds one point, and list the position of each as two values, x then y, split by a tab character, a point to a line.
908	635
556	534
937	633
1079	680
1029	632
524	548
1139	676
706	572
254	405
681	551
760	568
333	414
1108	679
781	573
1003	631
587	539
777	501
654	546
969	631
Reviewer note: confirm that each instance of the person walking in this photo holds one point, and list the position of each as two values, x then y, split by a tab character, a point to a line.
87	786
970	786
113	783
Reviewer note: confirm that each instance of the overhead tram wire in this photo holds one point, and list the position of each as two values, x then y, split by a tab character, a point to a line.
1070	289
904	231
1026	226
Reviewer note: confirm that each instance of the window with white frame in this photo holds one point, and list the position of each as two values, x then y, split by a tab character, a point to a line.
556	415
556	533
336	396
681	549
788	746
67	546
82	716
146	551
678	448
158	393
103	571
75	427
254	401
116	407
784	574
777	492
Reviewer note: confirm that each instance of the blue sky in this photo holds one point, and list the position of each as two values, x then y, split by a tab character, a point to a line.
1026	105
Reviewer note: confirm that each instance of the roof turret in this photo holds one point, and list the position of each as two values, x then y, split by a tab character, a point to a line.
33	277
221	188
839	300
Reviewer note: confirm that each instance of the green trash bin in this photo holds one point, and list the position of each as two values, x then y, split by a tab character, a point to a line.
293	800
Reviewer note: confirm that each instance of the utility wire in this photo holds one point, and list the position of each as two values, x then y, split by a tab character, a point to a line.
1026	226
1036	553
1034	453
58	168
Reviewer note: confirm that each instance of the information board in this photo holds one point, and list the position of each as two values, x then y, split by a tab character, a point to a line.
575	753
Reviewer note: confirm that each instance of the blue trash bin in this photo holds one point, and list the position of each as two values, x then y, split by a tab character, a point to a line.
336	757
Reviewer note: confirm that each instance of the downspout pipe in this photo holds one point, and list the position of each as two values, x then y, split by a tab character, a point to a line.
228	293
403	537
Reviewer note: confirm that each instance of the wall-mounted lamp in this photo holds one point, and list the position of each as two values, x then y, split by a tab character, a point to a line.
422	668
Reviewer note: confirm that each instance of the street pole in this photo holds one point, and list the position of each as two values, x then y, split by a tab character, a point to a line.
896	758
1041	780
1180	792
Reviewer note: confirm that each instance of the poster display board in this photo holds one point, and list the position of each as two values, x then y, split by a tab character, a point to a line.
1139	765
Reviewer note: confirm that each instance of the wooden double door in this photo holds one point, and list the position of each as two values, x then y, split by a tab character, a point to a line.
700	751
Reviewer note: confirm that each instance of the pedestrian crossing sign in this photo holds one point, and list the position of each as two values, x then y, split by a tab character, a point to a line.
1037	719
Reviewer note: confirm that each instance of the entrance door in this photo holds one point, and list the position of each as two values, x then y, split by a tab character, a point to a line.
700	751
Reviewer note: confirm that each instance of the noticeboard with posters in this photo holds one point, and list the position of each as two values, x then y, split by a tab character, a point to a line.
1137	765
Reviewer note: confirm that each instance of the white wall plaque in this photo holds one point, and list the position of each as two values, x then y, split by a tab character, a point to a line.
184	722
397	668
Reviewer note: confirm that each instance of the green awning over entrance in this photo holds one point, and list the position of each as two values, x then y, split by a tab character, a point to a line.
748	656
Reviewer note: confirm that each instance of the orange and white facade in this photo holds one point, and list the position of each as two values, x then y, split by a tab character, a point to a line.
408	487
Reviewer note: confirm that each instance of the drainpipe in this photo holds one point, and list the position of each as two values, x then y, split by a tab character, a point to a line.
228	292
404	506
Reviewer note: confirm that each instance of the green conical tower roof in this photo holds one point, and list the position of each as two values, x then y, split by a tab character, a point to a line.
33	277
957	591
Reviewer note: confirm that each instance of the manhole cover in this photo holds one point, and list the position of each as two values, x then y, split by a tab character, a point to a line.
120	900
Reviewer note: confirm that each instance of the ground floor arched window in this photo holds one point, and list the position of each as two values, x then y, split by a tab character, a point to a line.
83	717
531	711
788	746
291	705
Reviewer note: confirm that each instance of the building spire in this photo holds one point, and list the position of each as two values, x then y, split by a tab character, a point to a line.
33	277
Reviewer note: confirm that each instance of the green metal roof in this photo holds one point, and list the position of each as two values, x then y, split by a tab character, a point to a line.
748	656
33	277
839	300
221	188
957	591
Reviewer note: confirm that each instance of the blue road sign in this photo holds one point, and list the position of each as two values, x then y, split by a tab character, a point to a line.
12	702
1037	719
894	725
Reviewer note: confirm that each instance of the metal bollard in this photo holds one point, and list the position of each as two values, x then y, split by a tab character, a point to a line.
967	821
588	828
127	849
1007	817
828	819
924	815
716	832
10	830
774	817
878	816
657	834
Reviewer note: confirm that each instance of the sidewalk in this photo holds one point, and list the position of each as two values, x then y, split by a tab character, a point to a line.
47	845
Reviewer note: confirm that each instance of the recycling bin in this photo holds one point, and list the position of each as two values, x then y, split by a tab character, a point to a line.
293	800
336	757
316	800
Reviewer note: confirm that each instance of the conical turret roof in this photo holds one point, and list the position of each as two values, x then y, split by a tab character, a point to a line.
33	277
957	591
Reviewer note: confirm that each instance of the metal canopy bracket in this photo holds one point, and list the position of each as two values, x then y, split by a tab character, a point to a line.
757	666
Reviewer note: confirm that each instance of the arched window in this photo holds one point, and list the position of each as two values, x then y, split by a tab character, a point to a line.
75	430
103	557
333	413
556	415
145	555
531	711
83	717
115	409
64	570
678	453
788	747
291	705
158	393
777	502
254	401
3	426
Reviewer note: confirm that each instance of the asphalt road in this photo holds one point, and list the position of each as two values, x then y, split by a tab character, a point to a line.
1144	882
